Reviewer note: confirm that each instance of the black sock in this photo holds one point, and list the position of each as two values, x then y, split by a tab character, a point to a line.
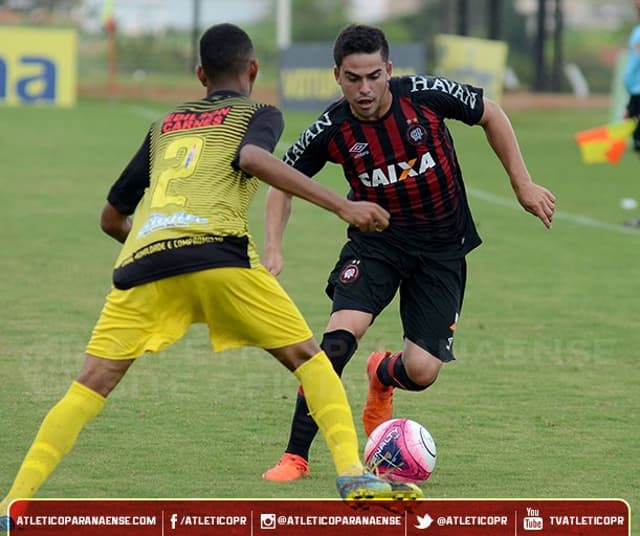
339	346
391	372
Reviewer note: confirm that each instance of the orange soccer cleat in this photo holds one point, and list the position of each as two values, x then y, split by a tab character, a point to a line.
379	404
289	467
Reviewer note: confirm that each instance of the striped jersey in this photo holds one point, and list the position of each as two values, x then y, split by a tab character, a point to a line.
405	161
190	198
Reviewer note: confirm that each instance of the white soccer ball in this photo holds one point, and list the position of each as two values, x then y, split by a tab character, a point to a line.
401	449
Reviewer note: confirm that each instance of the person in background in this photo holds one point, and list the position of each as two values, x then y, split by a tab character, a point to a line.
632	84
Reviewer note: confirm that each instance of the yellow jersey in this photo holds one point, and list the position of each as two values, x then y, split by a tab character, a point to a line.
192	207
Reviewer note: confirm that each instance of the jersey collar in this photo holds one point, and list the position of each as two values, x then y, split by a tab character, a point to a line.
223	93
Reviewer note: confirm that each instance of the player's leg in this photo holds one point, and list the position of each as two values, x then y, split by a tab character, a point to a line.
354	307
248	307
633	110
128	326
339	344
367	281
63	423
326	400
328	405
430	304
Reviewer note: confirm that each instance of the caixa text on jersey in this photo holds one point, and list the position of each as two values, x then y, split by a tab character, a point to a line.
398	171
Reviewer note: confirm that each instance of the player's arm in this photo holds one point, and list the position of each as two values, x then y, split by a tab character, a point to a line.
125	194
309	159
114	223
276	215
255	158
534	198
262	164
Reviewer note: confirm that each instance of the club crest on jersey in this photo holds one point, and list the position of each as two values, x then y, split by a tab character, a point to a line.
416	134
350	273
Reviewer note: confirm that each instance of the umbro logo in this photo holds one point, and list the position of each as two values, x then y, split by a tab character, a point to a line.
359	149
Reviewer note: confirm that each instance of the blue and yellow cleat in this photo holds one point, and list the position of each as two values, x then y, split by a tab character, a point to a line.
6	523
371	487
404	491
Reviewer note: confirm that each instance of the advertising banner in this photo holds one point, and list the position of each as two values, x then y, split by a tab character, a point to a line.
306	73
479	62
38	66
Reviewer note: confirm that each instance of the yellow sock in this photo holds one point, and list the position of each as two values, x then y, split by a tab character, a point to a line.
329	407
57	435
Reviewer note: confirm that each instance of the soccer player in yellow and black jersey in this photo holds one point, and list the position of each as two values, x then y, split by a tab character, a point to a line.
188	257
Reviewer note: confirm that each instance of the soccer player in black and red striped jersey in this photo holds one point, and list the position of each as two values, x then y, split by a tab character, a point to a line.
389	134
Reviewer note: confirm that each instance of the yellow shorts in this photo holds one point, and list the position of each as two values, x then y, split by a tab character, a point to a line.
242	307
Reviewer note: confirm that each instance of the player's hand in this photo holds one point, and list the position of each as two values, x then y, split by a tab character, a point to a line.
366	216
538	201
272	260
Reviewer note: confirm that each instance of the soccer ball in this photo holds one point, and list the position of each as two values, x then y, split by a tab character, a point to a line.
401	449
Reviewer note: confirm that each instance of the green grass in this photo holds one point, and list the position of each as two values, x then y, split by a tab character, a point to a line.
540	402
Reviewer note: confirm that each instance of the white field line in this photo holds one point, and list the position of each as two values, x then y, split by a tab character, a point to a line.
577	219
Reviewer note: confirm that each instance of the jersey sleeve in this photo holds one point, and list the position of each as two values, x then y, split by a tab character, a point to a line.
264	130
126	192
448	98
309	153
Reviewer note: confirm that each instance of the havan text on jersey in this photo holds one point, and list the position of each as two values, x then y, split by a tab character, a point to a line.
296	150
455	89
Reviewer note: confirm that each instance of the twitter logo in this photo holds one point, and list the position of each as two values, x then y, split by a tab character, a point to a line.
424	522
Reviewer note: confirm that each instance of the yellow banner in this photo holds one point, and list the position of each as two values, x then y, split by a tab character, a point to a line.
479	62
38	66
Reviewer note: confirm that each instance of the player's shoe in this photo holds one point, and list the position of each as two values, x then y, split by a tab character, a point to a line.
6	523
366	486
404	491
379	404
289	467
371	487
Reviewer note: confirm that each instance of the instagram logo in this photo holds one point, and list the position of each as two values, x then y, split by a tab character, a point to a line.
267	521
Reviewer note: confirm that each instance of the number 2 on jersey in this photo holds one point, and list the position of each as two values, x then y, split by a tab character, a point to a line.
190	149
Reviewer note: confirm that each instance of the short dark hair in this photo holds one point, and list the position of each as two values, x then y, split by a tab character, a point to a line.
360	39
225	50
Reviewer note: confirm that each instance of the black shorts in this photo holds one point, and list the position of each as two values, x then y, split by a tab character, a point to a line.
368	275
633	109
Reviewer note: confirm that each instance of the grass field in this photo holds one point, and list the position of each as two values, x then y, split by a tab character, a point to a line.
540	402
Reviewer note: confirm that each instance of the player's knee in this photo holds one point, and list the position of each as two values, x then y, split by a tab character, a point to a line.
102	375
421	381
339	345
424	373
296	354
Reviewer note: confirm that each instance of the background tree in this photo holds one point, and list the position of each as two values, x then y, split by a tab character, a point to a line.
317	20
539	62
